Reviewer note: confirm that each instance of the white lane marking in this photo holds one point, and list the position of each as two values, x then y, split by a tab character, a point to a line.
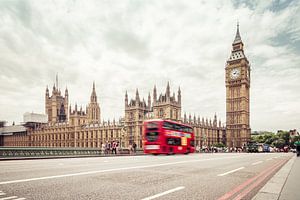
6	198
2	193
20	198
269	158
231	171
105	160
115	169
256	163
276	157
164	193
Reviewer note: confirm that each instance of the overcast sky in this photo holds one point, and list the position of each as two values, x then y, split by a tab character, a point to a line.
124	45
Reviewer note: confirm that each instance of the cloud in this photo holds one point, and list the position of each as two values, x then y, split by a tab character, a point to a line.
137	44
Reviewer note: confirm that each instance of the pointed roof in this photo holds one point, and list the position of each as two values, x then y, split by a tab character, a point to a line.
137	96
168	90
94	95
237	38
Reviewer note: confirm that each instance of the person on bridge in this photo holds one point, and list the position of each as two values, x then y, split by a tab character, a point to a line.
134	147
103	148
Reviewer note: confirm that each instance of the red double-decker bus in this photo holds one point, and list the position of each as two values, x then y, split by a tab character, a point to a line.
167	137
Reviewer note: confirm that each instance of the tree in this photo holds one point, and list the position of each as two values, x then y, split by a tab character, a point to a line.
294	139
284	135
280	143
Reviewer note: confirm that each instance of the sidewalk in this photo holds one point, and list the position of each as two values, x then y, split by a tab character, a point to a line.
283	185
291	189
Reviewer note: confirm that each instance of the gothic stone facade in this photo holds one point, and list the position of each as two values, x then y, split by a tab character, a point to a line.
237	95
83	128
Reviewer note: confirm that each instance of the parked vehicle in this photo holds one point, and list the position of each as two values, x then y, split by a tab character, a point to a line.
252	147
297	145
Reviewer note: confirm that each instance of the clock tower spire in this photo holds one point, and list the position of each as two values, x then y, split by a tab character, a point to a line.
237	80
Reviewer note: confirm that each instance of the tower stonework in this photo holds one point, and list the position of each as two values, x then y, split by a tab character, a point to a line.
166	106
135	113
56	105
93	109
237	80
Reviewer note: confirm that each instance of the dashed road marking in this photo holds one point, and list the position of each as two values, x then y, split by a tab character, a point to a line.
256	163
11	197
164	193
231	171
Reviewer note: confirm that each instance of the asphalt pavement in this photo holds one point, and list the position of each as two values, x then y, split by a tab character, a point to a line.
193	176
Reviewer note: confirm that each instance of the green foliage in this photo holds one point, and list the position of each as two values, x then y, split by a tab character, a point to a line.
294	139
280	143
219	145
279	139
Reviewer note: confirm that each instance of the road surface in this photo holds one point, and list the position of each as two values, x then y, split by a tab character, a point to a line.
193	176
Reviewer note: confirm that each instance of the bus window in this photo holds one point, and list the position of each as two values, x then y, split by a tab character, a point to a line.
174	141
168	126
177	127
152	126
192	143
152	136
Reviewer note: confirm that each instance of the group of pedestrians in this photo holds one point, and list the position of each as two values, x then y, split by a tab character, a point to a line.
132	148
111	147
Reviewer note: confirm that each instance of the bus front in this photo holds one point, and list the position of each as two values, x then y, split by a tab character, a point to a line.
152	130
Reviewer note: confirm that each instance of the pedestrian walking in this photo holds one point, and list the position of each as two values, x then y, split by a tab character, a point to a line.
103	148
134	147
114	147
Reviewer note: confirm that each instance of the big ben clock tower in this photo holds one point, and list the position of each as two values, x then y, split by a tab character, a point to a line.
237	95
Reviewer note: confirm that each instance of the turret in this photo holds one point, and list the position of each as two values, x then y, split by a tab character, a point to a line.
154	94
149	101
137	97
53	89
215	122
47	92
66	93
126	99
179	96
168	91
93	95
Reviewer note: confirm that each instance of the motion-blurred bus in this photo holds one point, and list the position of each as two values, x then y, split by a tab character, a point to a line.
167	137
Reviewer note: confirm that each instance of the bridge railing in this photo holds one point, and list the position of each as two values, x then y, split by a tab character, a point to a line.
6	152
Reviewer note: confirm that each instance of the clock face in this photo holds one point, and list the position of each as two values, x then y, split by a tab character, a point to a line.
235	73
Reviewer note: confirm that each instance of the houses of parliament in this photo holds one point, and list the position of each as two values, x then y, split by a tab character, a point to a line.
68	126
